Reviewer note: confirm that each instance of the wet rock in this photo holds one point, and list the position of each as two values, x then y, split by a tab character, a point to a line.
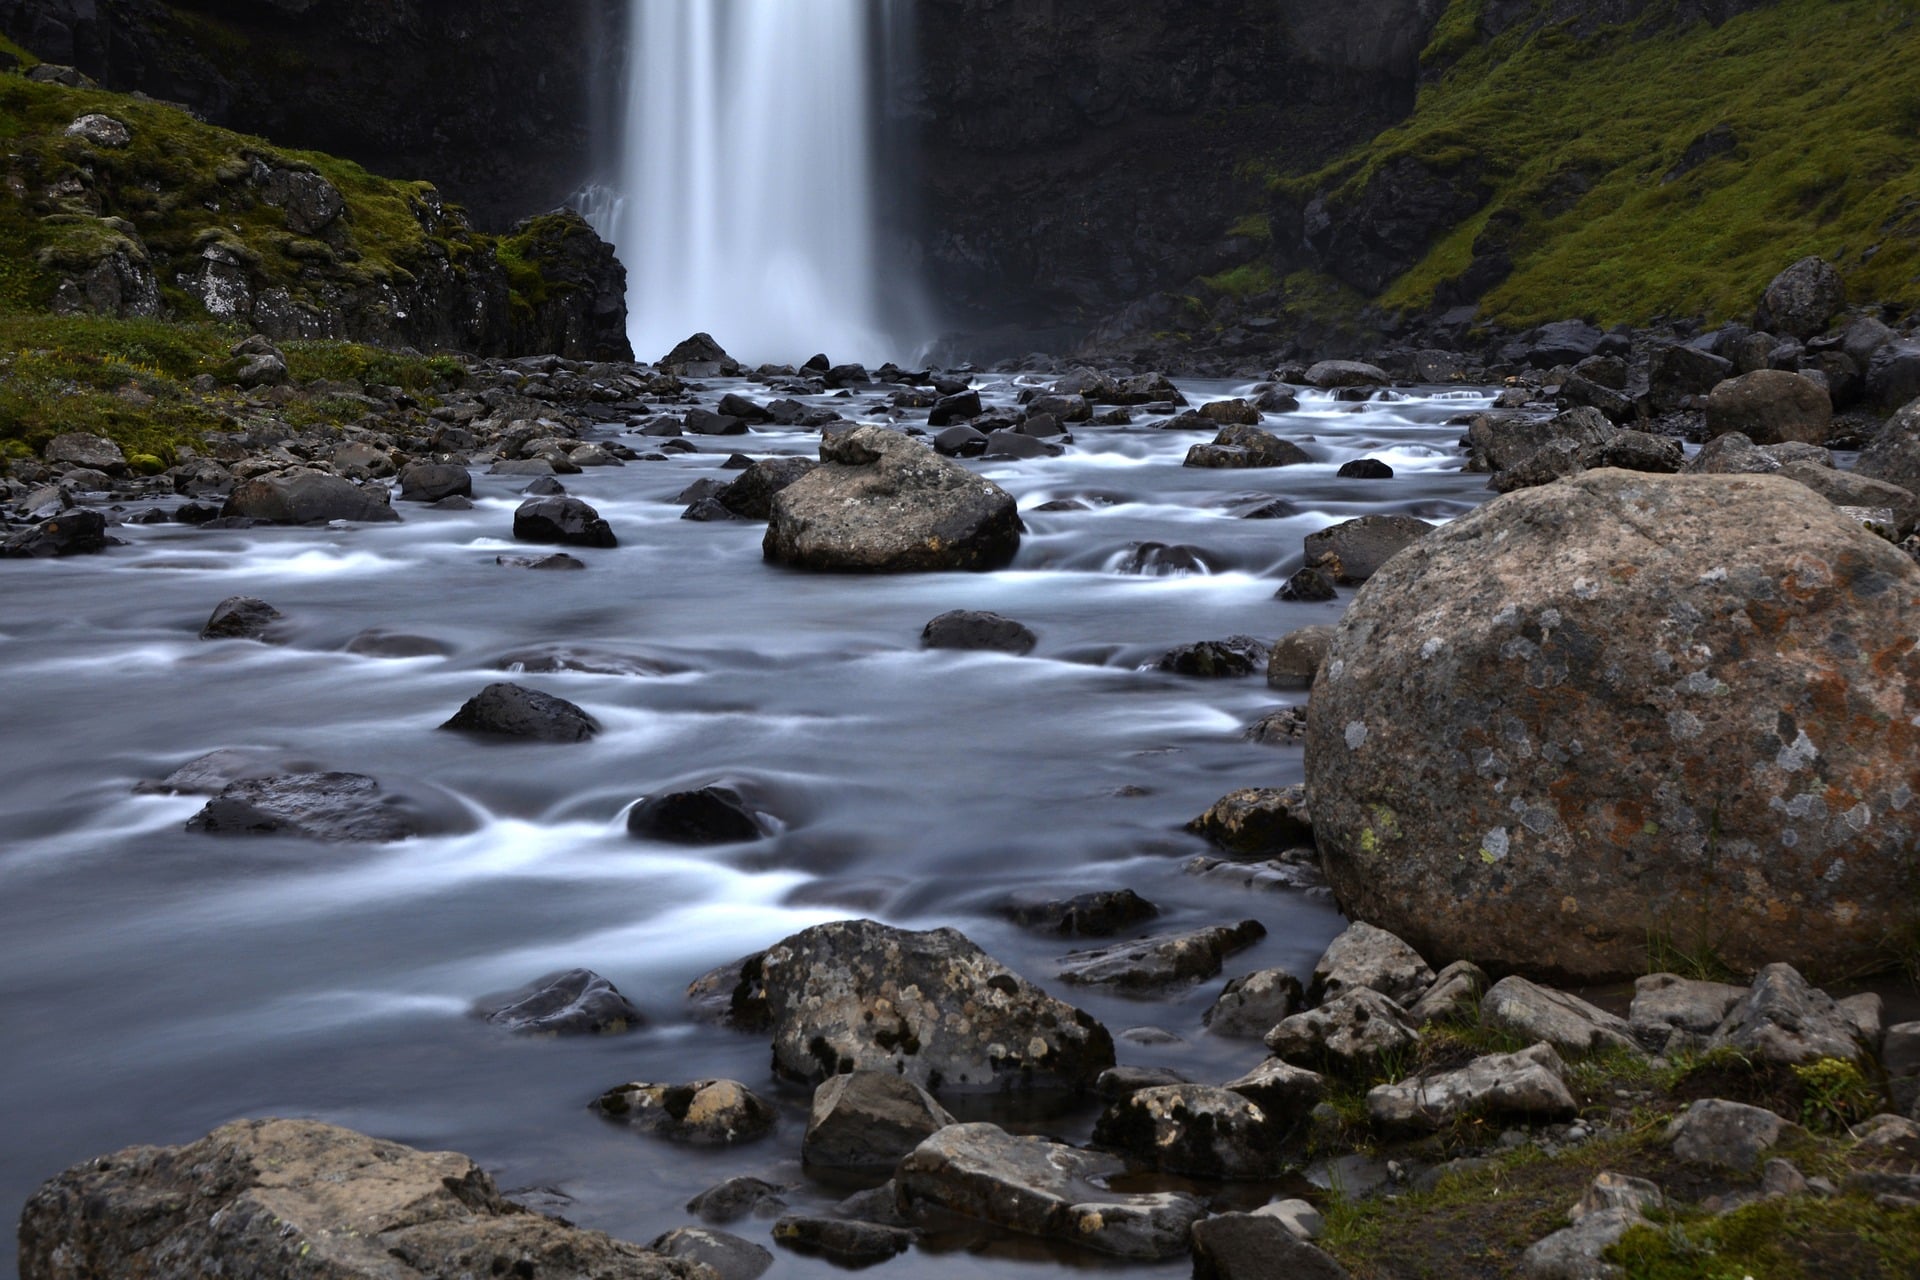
737	1198
1308	586
1258	822
1564	1021
1118	1082
1296	657
1159	560
1234	657
1349	1033
558	562
1288	1094
1453	997
1503	442
751	496
1231	413
707	1113
709	815
1802	299
868	1120
1365	469
1086	915
571	1002
709	511
312	806
82	449
71	533
1674	1014
960	442
434	481
1253	1004
1330	375
1355	550
376	642
513	711
1241	448
931	1007
1041	1188
1770	406
1020	444
308	497
887	504
954	408
1197	1130
1161	960
240	618
1718	1134
567	521
1529	1085
1458	814
256	1194
1252	1246
728	1256
210	774
1784	1018
1366	957
974	630
1279	728
705	422
849	1243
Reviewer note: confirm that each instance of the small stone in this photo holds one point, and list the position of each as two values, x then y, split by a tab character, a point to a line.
572	1002
1364	956
1253	1004
737	1198
867	1120
704	1113
514	711
240	618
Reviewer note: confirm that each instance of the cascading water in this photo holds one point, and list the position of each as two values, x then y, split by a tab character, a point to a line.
744	204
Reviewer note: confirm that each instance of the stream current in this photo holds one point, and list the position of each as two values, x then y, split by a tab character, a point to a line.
155	983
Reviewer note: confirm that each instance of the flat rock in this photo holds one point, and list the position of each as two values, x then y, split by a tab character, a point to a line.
1088	915
1162	960
570	1002
313	806
294	1197
1041	1188
1529	1085
1351	1032
507	710
1564	1021
1353	551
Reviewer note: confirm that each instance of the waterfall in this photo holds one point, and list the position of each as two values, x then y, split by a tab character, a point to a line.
744	204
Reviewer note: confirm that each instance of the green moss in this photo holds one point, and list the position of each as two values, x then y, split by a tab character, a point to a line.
1782	1239
534	241
356	362
1579	140
18	54
1244	281
1255	226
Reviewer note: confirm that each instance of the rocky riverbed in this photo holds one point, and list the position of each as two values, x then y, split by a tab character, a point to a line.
537	675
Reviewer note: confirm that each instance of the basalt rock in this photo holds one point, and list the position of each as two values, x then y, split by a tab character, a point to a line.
513	711
240	618
566	521
308	497
704	816
1710	670
970	629
72	533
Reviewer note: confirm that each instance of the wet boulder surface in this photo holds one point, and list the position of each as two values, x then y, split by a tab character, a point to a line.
1626	706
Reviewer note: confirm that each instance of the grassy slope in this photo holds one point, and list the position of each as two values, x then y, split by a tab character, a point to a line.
1823	95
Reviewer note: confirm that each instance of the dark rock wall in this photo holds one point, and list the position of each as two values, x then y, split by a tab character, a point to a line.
491	99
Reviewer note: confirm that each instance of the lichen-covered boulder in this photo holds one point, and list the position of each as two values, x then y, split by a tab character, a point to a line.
884	503
856	995
306	1201
1627	707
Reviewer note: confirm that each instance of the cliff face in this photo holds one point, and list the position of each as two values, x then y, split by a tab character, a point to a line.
490	99
1080	156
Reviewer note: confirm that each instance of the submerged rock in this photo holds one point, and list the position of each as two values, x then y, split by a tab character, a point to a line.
1232	658
240	618
887	504
1162	960
1042	1188
1087	915
706	1113
706	816
286	1197
1198	1130
313	806
514	711
571	1002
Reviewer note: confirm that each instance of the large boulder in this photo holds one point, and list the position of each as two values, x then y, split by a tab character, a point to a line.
1802	299
306	1201
886	504
308	497
1042	1188
932	1007
1771	406
1628	707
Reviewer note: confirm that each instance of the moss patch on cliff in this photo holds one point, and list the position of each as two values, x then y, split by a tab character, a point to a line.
1649	170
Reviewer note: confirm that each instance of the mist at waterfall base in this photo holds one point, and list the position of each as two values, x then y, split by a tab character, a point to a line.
743	199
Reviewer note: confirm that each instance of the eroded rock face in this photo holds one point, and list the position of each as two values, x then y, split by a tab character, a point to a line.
886	504
1043	1188
1709	672
305	1201
932	1007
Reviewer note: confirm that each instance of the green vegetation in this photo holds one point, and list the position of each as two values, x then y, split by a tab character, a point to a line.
19	55
1245	281
1782	1239
1580	142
